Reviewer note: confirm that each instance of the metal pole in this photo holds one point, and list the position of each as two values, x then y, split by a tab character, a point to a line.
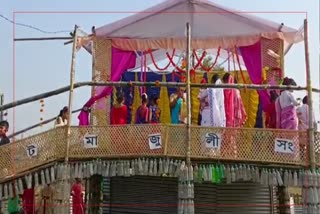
1	103
68	133
310	101
188	93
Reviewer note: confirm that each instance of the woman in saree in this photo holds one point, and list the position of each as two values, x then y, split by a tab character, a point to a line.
240	115
229	95
119	111
77	197
229	148
119	117
287	117
286	108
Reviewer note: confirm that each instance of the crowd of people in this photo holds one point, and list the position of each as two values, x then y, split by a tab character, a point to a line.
219	108
48	196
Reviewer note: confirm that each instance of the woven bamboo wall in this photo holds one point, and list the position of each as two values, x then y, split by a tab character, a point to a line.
244	144
101	72
277	46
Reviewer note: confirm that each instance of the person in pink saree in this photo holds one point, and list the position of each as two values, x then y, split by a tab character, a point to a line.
286	108
229	94
287	118
240	115
229	149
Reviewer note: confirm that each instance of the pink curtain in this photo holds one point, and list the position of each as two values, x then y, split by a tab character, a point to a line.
253	60
121	61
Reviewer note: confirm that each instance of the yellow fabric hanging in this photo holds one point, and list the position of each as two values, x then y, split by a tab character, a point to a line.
250	99
136	100
195	104
164	105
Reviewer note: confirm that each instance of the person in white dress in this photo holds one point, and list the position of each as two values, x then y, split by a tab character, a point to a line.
62	119
303	115
212	109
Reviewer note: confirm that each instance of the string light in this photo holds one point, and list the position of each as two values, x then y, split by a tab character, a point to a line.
33	27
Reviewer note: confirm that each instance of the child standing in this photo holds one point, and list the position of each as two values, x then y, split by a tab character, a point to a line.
154	110
142	114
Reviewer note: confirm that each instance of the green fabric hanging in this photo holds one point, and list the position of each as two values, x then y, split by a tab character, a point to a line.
218	174
200	175
214	176
222	171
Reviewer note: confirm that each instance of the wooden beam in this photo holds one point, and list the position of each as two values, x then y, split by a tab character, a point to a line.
151	84
42	39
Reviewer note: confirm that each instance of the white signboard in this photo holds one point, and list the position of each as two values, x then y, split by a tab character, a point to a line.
32	150
284	146
155	141
213	140
90	141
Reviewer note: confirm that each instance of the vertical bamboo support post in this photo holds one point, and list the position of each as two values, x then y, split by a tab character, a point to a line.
72	80
310	101
188	28
68	132
94	73
190	185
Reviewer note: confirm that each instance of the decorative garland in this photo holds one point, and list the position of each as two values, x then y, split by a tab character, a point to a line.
154	61
41	111
203	55
181	69
165	167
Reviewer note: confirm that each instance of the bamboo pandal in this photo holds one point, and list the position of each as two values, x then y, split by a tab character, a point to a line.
151	84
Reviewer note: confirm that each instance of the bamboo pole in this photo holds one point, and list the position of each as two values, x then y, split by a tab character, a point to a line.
93	54
38	124
150	84
42	39
310	100
68	132
72	79
188	28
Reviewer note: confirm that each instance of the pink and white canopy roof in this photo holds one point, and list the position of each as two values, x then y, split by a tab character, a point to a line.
163	27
